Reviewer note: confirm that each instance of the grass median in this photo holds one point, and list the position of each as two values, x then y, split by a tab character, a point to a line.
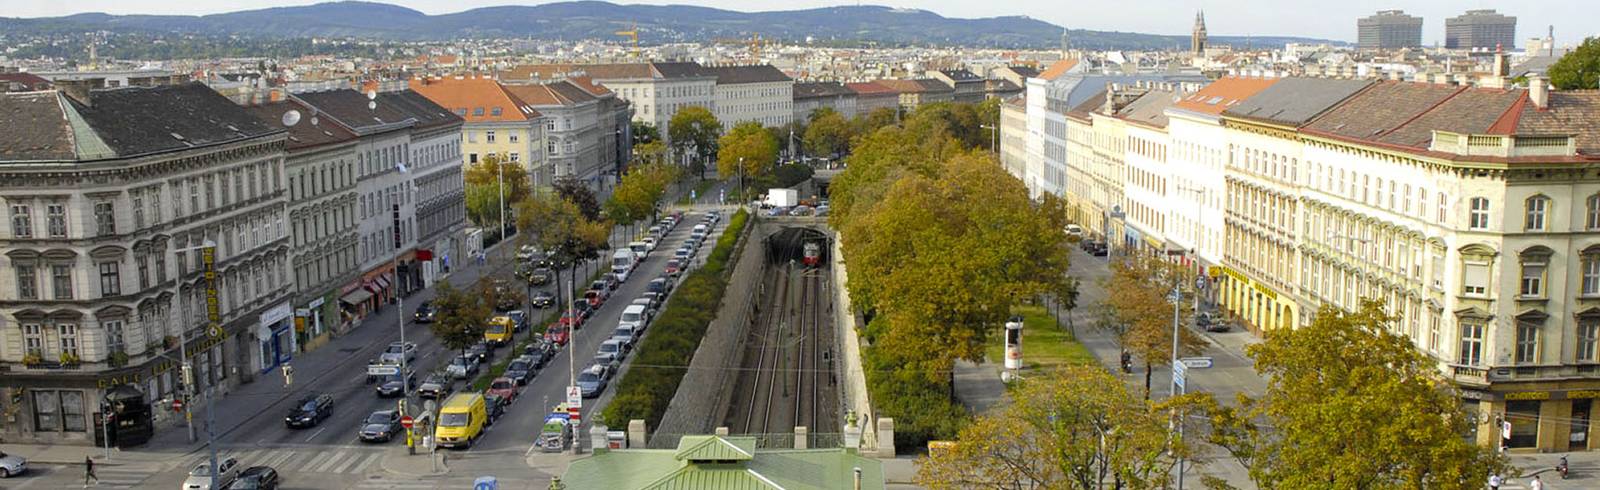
1044	344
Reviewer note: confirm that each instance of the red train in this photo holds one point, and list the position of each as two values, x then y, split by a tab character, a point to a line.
812	255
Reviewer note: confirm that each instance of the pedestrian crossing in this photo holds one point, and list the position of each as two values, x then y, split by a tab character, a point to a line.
291	461
395	483
124	476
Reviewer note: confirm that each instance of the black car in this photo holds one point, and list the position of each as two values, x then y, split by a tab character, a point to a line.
521	370
482	351
395	384
540	276
255	478
544	299
584	309
539	352
496	407
381	426
424	314
310	410
659	285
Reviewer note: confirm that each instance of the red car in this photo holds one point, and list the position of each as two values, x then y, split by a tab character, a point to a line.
595	296
503	387
557	333
572	318
674	267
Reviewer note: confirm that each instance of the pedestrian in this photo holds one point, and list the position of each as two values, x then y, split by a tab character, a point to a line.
88	472
1536	484
1494	482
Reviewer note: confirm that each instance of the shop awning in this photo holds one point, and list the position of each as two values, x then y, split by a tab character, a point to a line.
356	297
382	283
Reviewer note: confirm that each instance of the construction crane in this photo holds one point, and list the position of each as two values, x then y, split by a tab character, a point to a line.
632	34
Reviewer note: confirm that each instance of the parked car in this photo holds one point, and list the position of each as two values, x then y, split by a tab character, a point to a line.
256	478
585	310
596	297
394	385
527	252
481	352
437	386
424	314
572	317
503	387
521	370
519	320
675	267
397	351
310	410
539	351
1074	232
200	476
381	426
1219	325
660	285
12	465
557	333
540	276
612	280
494	406
648	301
462	367
543	299
592	381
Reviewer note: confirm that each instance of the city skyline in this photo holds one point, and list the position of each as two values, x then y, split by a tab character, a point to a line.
1173	17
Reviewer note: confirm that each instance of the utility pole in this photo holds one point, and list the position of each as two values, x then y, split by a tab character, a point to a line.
1177	387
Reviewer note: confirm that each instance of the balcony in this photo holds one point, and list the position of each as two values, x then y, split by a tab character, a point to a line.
1470	375
1504	146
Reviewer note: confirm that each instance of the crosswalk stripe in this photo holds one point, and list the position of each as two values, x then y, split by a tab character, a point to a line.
347	463
327	463
362	468
274	458
289	464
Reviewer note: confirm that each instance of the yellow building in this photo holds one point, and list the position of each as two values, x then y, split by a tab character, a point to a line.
497	122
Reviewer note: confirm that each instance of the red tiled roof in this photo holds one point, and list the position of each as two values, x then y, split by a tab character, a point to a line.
1219	95
1059	68
469	95
871	88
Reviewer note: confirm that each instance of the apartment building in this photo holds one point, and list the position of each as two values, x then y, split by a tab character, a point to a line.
1013	137
810	96
966	87
496	122
918	92
572	119
110	197
752	93
437	184
872	96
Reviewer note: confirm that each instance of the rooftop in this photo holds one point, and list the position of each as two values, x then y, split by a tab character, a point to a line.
810	90
734	75
1295	101
309	132
1224	93
723	463
475	99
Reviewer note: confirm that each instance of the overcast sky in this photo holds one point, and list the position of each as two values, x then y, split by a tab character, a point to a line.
1335	19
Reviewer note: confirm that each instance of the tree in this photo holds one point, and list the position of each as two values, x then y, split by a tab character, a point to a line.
828	135
1143	312
483	204
872	121
579	194
492	171
988	114
644	133
633	199
961	120
1351	404
750	145
458	322
1578	69
652	152
1076	428
560	228
695	128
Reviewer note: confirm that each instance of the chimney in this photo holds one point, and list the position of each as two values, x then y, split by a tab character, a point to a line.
1539	91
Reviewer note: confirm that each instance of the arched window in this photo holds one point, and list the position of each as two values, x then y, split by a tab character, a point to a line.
1478	217
1535	208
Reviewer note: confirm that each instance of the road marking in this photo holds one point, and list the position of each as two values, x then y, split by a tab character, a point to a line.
277	458
314	434
362	468
346	464
328	463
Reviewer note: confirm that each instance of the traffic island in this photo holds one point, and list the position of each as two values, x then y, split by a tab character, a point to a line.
398	461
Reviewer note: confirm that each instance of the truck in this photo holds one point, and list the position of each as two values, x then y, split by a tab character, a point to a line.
782	198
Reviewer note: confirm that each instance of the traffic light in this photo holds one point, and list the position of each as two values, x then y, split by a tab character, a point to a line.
17	395
188	376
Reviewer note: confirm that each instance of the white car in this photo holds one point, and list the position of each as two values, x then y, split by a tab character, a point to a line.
396	350
200	476
11	464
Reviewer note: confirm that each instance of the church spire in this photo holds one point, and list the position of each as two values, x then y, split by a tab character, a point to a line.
1197	39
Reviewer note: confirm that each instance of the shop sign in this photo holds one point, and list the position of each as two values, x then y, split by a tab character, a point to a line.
156	369
1235	275
1583	394
275	314
1266	291
1528	395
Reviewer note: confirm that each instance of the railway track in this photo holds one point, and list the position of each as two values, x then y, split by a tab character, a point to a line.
786	379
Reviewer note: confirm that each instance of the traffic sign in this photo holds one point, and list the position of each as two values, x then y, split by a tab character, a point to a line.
1196	362
485	483
1179	372
1200	283
407	421
177	405
574	397
382	370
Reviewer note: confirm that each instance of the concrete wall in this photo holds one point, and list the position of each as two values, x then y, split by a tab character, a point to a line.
849	361
712	369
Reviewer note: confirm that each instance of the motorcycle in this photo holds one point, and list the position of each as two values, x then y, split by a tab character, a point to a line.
1561	468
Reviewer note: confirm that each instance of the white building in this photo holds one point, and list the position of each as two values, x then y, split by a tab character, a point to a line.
572	126
752	93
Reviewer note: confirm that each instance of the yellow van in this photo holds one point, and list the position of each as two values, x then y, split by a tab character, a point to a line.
498	332
461	420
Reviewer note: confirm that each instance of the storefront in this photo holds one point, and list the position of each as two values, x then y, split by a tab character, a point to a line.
275	337
314	320
1257	305
1535	420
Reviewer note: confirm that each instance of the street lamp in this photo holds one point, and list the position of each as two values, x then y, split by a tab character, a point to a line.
994	138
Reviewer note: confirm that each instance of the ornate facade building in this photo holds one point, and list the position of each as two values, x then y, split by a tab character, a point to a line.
111	197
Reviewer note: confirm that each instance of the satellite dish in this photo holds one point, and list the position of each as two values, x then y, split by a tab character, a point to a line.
291	118
372	105
372	95
313	120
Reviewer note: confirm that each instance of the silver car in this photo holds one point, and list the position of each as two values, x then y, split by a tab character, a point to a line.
200	476
11	464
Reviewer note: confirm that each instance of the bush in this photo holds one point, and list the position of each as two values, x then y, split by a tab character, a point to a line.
663	356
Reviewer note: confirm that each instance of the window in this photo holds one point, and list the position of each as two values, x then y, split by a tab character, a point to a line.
161	266
110	279
512	137
1475	278
61	281
142	263
1591	217
1591	275
1534	219
477	111
69	338
1532	280
1433	330
552	148
516	157
56	218
114	338
472	158
1527	342
1471	342
494	111
1444	206
138	212
21	222
1588	336
488	136
46	411
105	218
1478	219
33	340
155	205
27	282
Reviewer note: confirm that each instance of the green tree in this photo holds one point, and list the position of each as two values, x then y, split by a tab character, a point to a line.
579	194
644	133
988	114
483	205
695	128
828	134
1578	69
1076	428
459	320
495	172
1351	404
870	122
560	228
634	199
750	145
652	152
961	120
1142	311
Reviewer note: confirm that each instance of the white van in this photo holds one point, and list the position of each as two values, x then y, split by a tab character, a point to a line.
623	260
635	316
640	249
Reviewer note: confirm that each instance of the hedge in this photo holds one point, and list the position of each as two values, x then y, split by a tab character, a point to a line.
663	356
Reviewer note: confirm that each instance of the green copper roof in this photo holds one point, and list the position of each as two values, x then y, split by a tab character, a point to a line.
714	448
723	463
